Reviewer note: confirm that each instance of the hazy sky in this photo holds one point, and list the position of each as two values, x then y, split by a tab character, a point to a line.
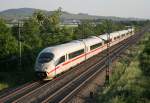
121	8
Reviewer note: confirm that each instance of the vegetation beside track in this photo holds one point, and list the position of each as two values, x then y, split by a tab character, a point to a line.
130	80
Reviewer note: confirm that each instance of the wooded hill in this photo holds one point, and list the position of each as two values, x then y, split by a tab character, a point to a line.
22	13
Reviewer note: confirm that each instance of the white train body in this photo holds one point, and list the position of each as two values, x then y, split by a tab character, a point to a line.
56	59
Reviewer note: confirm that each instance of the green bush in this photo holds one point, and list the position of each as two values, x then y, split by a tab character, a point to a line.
130	84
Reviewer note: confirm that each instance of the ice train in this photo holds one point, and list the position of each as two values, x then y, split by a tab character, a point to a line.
56	59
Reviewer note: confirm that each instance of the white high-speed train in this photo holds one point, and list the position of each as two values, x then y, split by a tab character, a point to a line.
56	59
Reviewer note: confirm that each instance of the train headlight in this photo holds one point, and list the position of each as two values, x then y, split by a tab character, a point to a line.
45	68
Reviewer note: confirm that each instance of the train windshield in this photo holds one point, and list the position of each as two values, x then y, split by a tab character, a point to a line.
45	57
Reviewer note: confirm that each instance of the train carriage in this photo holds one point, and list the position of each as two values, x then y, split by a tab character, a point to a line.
54	60
92	47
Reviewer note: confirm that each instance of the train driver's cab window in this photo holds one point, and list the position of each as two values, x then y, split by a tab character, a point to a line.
61	60
45	57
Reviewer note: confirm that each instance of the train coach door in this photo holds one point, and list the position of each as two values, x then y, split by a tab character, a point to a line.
64	64
85	49
59	65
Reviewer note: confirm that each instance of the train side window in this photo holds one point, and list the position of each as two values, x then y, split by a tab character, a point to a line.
95	46
107	41
110	40
115	38
76	53
118	37
61	60
122	35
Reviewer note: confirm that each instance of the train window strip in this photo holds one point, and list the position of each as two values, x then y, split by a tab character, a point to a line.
76	53
95	46
61	60
118	37
123	35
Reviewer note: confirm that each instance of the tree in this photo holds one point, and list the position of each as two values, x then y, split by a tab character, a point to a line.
8	43
30	36
66	34
99	29
107	25
39	16
51	23
85	29
50	30
14	31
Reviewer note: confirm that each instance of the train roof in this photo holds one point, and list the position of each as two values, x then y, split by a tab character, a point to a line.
104	36
123	31
62	49
92	40
113	34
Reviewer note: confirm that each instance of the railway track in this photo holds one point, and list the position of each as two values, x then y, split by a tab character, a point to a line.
20	91
52	91
7	91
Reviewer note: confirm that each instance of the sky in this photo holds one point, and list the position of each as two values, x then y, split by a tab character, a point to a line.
120	8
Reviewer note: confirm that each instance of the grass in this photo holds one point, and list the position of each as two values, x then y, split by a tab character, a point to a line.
13	75
3	85
128	84
13	79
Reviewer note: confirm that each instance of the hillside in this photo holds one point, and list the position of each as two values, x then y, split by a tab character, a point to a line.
22	13
18	13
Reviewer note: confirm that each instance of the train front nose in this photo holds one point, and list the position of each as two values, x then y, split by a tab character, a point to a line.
42	71
41	75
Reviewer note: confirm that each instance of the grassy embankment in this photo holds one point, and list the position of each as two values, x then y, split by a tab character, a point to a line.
13	79
130	82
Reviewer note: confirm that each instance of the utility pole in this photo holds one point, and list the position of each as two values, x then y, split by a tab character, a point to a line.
19	42
108	52
84	40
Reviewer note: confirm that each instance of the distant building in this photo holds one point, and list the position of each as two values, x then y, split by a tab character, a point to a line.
71	22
